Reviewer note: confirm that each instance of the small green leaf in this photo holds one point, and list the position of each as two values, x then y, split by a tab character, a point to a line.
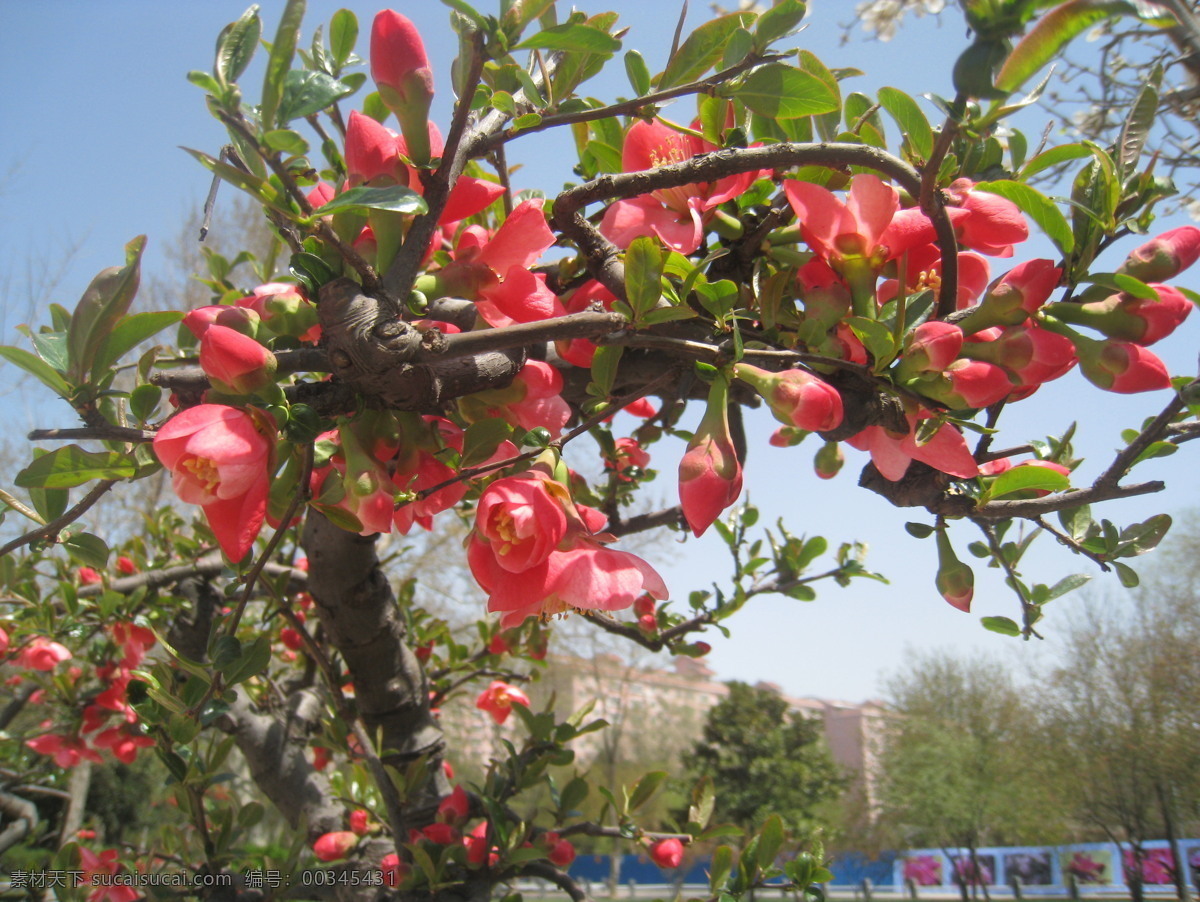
1039	208
638	72
286	141
251	662
1127	575
131	332
784	92
572	39
481	440
1076	520
919	530
236	46
910	118
770	839
646	788
283	49
719	869
70	466
604	368
1002	625
777	21
36	367
1067	584
51	347
102	306
306	93
343	34
1022	479
89	550
702	50
643	275
205	81
396	198
1138	122
144	400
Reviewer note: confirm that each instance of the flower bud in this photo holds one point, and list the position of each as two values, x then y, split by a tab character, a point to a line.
965	384
829	460
236	362
955	580
667	853
335	846
1018	293
930	347
796	398
1164	257
710	474
1031	354
1121	366
1123	316
401	71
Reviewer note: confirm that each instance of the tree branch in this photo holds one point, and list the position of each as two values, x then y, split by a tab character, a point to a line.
54	527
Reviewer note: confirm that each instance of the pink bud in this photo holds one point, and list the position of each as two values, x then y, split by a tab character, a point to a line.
1164	257
126	566
372	152
1121	366
1033	355
667	853
237	362
561	852
237	318
393	870
1019	292
796	398
710	475
965	384
955	580
1129	318
334	846
88	576
932	346
401	71
360	821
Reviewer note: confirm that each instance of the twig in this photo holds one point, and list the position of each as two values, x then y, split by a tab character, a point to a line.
99	433
546	871
1065	539
1035	507
1028	608
1129	454
52	529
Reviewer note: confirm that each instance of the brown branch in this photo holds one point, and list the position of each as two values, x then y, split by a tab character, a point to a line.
543	870
1036	507
105	433
643	522
1125	460
55	526
1065	539
589	324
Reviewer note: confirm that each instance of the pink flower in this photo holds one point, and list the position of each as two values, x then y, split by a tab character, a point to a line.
334	846
401	71
133	640
667	853
533	400
521	520
126	566
675	215
219	460
235	362
710	474
796	398
372	153
627	457
985	222
99	870
67	751
3	642
498	698
456	807
931	347
88	576
844	232
1165	256
42	654
123	744
945	450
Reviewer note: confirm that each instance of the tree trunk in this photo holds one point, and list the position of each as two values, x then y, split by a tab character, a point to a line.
1180	872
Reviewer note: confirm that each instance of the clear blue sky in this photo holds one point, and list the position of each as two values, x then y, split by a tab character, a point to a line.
96	105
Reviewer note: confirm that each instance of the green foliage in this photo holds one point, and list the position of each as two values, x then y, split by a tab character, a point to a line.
763	758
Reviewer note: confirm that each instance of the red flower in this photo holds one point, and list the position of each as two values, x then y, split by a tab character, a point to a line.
1164	257
126	566
945	450
393	870
498	699
559	850
667	853
219	460
42	654
98	870
67	751
360	821
844	232
134	640
521	519
88	576
456	807
123	744
985	222
1121	366
334	846
676	215
628	455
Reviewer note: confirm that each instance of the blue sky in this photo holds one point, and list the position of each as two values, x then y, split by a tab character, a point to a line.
90	159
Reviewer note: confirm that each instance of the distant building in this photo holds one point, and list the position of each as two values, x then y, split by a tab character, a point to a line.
655	715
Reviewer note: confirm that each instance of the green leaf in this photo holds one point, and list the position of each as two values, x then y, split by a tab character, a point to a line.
722	864
1138	122
396	198
69	466
604	368
286	141
51	347
481	440
343	34
205	81
1157	449
283	49
702	50
638	72
1076	520
1067	584
770	839
645	788
37	368
1140	537
1002	625
89	550
919	530
236	46
1023	479
1127	575
704	799
572	795
1039	208
144	400
667	314
643	275
784	92
131	332
252	661
876	338
911	120
777	21
572	39
1054	30
106	300
306	93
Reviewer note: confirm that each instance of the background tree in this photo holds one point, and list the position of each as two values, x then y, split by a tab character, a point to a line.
763	758
956	763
